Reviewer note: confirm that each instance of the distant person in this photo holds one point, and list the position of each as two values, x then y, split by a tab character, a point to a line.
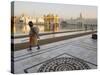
52	26
92	27
85	27
33	36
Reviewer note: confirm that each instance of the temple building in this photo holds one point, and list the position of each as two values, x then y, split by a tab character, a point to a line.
79	23
51	22
45	23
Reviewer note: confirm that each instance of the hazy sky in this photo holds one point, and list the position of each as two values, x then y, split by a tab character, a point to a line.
62	10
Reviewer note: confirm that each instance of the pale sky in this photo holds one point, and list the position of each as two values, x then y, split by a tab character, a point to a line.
62	10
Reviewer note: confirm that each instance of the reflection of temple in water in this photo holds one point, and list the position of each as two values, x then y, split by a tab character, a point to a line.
46	23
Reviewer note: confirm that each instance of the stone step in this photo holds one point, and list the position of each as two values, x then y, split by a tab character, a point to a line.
24	45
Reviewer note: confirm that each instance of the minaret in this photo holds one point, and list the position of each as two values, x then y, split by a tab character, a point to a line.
81	16
81	20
